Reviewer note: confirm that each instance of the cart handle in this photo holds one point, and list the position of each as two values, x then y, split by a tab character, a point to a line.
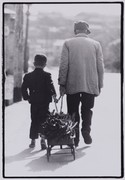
61	97
61	104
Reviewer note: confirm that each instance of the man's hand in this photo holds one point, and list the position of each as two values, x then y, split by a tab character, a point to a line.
62	90
99	93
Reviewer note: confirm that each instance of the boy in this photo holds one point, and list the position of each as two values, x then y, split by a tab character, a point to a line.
38	89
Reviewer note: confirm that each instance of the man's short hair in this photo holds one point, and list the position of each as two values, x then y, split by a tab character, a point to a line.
40	60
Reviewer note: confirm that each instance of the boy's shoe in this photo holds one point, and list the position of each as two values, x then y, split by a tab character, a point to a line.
87	137
43	144
32	145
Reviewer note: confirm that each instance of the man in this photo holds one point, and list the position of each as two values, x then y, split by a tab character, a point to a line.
38	89
81	76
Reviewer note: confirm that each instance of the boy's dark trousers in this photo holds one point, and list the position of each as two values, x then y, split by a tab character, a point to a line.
87	103
38	116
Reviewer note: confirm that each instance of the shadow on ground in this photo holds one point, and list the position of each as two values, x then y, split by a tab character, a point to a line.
21	156
56	160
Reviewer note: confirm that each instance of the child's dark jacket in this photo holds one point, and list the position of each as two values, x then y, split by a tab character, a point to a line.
37	87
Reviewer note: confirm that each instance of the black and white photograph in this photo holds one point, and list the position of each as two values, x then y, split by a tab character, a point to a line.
62	89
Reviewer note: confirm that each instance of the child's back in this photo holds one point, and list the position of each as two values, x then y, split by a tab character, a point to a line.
38	89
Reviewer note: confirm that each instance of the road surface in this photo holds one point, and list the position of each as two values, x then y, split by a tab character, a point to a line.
102	158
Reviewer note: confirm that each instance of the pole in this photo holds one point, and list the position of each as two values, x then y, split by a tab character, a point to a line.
18	53
26	49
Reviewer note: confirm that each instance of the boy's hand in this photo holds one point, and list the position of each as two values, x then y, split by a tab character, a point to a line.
55	99
62	90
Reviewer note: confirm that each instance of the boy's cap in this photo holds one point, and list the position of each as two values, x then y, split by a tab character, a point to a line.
40	60
81	25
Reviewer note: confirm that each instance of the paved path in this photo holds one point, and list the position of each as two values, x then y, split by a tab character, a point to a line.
102	158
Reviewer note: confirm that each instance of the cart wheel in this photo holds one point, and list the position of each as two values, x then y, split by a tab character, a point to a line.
48	153
73	152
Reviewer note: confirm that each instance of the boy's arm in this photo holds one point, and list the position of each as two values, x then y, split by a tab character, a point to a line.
51	86
24	89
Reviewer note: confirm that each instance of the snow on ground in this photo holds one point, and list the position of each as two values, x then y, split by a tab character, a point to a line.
102	158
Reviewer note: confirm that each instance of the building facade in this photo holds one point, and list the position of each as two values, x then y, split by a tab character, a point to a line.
13	51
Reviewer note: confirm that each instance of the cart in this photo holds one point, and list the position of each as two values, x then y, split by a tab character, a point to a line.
66	139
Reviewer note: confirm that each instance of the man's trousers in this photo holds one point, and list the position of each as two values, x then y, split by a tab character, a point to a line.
87	103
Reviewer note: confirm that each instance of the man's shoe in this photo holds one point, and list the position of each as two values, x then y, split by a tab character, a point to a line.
32	145
43	144
87	137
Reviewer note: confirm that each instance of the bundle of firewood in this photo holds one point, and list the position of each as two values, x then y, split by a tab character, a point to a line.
58	125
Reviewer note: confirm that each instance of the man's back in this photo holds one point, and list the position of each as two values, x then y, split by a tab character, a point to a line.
82	50
84	57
